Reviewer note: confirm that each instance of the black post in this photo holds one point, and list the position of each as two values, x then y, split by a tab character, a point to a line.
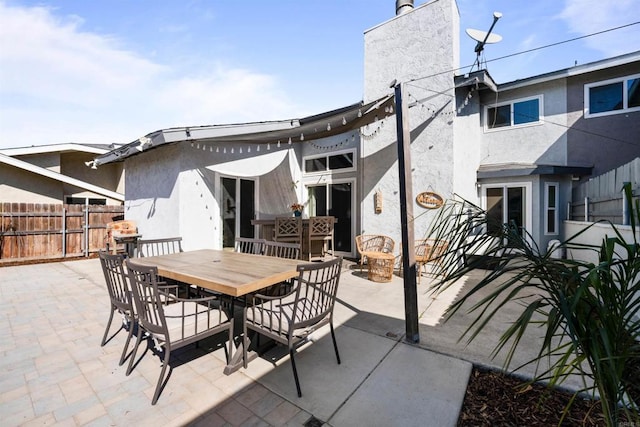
406	219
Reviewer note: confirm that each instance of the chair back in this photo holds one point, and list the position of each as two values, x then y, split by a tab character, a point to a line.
288	229
249	245
430	249
374	243
282	249
116	280
153	247
316	293
321	226
147	297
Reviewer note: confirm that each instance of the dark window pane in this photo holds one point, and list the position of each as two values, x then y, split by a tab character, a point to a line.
633	93
499	116
552	196
515	209
551	221
605	98
315	165
341	161
247	207
341	195
526	111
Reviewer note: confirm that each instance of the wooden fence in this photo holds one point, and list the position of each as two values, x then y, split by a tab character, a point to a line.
37	231
601	197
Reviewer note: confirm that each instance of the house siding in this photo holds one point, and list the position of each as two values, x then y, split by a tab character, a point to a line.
602	142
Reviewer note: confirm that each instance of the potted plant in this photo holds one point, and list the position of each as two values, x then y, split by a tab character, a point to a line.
297	209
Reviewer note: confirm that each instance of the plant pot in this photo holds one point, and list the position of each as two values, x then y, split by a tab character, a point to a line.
297	213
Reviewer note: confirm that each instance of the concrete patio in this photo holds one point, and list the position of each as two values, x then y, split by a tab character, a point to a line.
54	370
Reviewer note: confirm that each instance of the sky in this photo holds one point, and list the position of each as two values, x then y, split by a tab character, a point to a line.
102	72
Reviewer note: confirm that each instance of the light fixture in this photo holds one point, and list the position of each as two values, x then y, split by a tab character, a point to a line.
302	137
328	127
289	140
344	121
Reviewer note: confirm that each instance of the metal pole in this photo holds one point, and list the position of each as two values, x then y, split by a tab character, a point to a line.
64	232
586	209
406	218
86	227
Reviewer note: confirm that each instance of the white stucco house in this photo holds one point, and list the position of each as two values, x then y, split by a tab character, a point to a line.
513	148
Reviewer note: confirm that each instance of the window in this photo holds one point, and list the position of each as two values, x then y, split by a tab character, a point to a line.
343	161
612	96
84	200
514	113
551	208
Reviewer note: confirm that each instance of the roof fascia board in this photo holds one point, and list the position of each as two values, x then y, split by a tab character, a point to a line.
206	132
41	149
573	71
60	177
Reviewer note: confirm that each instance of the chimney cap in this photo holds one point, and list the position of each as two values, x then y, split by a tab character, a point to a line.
403	6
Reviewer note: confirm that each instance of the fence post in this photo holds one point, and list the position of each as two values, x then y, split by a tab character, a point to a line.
86	227
626	209
64	232
586	209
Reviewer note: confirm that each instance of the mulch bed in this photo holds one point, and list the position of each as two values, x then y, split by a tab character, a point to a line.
497	399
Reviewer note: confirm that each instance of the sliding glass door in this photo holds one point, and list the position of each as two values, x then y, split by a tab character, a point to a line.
237	209
335	199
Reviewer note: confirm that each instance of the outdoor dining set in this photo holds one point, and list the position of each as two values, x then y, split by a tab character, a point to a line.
170	298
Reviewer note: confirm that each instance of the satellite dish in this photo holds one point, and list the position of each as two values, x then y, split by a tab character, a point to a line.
484	37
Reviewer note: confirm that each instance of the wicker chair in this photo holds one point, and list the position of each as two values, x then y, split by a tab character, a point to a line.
169	327
429	250
289	319
119	295
367	243
249	245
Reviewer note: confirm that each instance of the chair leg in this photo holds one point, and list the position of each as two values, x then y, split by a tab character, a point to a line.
135	350
165	363
245	344
106	331
335	344
126	344
295	371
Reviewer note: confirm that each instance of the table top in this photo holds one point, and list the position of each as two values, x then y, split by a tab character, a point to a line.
228	272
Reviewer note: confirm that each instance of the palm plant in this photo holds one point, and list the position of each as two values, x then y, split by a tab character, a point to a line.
589	311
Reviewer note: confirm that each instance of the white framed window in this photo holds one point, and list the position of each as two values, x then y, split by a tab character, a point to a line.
551	200
613	96
336	161
516	113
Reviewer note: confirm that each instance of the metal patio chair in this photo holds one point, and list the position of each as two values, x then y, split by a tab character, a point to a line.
249	245
282	249
164	246
119	296
289	319
169	327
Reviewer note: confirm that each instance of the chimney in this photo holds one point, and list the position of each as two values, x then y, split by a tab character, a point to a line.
403	6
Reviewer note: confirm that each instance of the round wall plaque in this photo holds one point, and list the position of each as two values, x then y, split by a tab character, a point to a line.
429	200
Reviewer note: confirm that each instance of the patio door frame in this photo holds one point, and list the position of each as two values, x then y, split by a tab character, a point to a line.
527	209
238	203
327	181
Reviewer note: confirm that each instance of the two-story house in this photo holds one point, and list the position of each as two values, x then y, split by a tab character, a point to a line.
513	148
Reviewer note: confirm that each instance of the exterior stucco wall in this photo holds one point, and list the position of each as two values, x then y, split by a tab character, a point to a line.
544	143
153	196
420	43
175	190
20	186
467	142
107	176
619	133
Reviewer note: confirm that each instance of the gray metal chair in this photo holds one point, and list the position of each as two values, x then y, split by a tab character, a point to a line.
169	327
119	296
281	249
249	245
164	246
154	247
290	318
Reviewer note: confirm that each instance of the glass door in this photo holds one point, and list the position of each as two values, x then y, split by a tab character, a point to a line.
237	209
505	205
335	199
